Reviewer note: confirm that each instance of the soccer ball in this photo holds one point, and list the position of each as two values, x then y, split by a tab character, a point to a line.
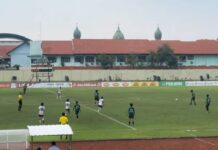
176	99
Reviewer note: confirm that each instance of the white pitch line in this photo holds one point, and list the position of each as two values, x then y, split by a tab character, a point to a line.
101	114
48	90
203	141
110	118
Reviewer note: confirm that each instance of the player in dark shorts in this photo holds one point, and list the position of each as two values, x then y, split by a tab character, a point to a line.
192	97
24	89
20	101
131	113
208	100
97	97
76	109
41	113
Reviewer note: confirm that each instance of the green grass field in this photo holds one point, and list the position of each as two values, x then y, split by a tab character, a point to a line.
158	114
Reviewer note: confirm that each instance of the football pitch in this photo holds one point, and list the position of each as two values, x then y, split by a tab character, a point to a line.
161	112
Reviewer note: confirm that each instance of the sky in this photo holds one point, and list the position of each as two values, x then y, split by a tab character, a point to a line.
186	20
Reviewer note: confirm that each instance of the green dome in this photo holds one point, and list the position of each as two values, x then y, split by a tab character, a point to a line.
118	34
158	34
77	33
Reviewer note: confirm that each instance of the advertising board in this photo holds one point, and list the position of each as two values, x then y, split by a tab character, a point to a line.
45	85
201	83
172	83
5	85
86	84
129	84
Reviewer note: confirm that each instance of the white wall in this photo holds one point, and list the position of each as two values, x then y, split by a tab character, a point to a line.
94	75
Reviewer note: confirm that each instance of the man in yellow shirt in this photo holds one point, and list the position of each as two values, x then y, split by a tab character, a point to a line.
63	120
20	99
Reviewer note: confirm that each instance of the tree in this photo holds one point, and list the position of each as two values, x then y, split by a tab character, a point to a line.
106	61
163	53
172	62
152	58
163	57
132	60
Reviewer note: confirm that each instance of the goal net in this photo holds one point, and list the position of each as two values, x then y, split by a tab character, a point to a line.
14	139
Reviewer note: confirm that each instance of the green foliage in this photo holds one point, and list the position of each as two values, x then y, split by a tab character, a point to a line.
132	60
152	58
164	57
106	61
172	62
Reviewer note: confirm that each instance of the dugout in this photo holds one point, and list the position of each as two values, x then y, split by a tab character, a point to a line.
50	130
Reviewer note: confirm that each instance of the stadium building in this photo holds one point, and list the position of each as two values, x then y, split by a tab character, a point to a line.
84	52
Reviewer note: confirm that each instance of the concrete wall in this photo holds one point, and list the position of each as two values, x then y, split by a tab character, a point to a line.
93	75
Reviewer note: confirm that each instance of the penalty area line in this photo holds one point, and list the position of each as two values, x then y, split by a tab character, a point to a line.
101	114
110	118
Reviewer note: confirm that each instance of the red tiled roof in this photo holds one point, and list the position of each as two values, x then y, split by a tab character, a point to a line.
5	49
57	47
109	46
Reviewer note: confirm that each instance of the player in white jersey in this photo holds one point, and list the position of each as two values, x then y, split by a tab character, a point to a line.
67	106
41	113
59	93
100	103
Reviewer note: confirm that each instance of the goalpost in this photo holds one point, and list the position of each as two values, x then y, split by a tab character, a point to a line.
14	139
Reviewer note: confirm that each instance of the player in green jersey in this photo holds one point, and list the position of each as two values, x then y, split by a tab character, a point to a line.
131	113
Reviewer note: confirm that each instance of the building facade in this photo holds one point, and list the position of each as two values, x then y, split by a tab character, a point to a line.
86	52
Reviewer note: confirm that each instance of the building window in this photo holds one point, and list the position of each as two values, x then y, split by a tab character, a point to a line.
52	59
182	58
190	57
33	61
79	59
142	58
121	59
90	59
65	59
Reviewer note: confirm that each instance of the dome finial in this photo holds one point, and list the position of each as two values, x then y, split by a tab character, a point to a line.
77	33
118	34
158	34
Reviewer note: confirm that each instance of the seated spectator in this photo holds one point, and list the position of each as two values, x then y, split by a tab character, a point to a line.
39	148
53	146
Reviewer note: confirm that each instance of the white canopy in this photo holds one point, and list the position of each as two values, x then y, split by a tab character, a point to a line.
42	130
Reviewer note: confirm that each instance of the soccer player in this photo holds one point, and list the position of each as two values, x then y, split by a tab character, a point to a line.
96	95
208	100
131	113
76	109
192	97
67	106
63	120
24	89
100	103
41	113
20	101
59	93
